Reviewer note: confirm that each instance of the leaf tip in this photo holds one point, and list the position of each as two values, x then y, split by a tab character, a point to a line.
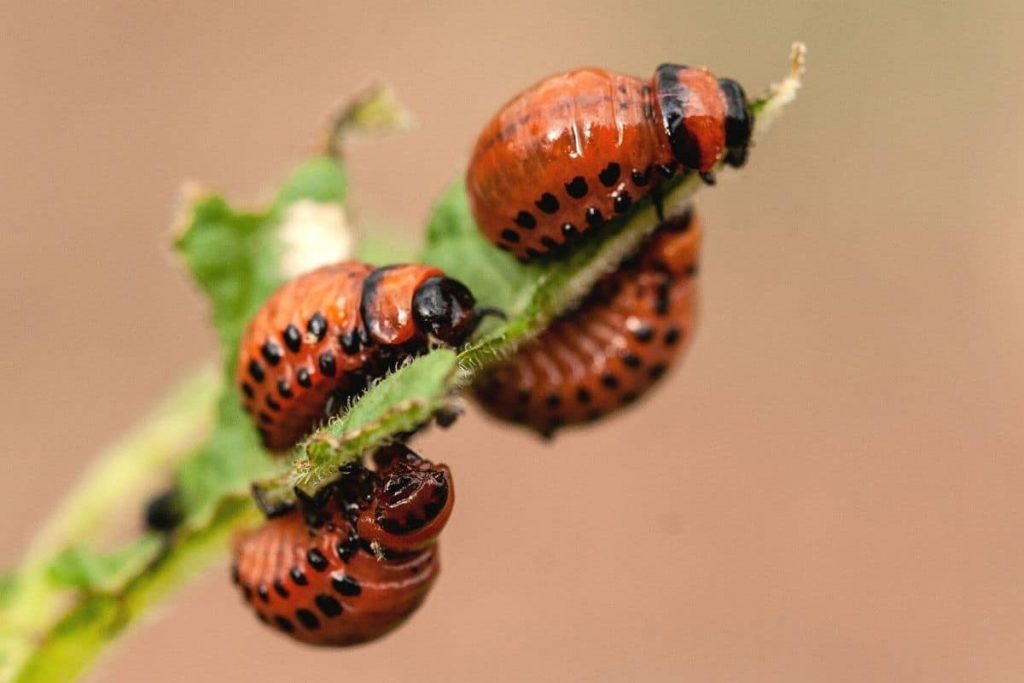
782	93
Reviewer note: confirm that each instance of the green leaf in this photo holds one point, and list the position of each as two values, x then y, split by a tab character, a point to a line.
400	403
455	245
87	570
236	256
94	619
225	465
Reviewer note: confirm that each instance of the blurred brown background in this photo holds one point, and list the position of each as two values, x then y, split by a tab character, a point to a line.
828	490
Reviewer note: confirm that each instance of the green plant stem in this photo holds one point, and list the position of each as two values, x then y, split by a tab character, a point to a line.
150	450
81	635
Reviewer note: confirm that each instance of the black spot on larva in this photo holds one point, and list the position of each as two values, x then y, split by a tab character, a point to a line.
662	300
628	398
317	326
292	338
503	247
610	175
656	371
307	618
246	389
667	170
346	549
577	187
236	578
593	415
262	617
631	361
641	178
525	220
284	388
280	589
302	377
298	576
553	401
264	434
643	333
547	203
708	177
610	381
648	111
346	585
316	559
594	217
549	243
265	418
349	342
523	397
327	364
622	89
622	202
570	231
532	253
672	336
247	592
271	352
263	592
510	235
284	624
583	396
272	404
692	270
327	605
256	370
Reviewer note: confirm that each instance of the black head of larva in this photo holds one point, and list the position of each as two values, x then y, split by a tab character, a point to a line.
445	309
739	122
678	92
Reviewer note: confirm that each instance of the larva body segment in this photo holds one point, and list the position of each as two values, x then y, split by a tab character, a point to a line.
610	350
337	582
321	338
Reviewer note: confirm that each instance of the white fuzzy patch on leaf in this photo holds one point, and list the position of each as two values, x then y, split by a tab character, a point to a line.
314	234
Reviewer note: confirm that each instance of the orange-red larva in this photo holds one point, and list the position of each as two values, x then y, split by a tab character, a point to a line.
322	337
364	567
610	350
579	148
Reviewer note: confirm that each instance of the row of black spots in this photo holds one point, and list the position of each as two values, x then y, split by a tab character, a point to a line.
577	188
316	329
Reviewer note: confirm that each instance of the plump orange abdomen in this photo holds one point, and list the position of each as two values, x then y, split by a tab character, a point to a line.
349	579
579	148
611	349
321	338
564	157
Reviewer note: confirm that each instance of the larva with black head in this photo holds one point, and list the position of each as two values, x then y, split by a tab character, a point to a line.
579	148
366	565
613	347
321	338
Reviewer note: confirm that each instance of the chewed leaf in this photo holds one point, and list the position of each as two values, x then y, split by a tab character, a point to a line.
240	257
94	572
455	245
